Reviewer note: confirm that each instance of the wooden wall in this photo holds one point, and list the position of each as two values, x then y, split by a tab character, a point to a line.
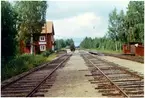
138	51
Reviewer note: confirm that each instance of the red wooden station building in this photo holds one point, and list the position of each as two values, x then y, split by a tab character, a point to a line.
45	42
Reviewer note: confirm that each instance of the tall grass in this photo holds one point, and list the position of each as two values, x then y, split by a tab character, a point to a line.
21	64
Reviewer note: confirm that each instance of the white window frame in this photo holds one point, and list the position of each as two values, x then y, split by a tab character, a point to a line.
42	38
42	47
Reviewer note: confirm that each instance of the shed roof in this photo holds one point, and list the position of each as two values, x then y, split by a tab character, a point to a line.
48	28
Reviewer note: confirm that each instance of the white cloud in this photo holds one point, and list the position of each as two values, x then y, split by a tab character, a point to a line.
79	26
77	19
63	9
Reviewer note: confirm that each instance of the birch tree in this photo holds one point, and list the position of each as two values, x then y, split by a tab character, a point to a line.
31	19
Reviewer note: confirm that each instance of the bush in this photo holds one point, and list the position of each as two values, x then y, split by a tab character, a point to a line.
38	59
47	53
21	64
72	47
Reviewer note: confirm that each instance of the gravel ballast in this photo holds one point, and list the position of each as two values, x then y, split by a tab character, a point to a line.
72	82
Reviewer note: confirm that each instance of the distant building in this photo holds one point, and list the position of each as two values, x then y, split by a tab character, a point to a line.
45	42
134	48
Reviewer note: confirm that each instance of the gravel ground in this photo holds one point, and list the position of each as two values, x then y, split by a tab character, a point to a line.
72	82
135	66
127	57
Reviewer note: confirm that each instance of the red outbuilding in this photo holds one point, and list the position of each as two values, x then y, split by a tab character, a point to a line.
45	42
134	48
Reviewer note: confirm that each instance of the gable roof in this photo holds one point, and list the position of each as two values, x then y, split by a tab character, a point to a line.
48	28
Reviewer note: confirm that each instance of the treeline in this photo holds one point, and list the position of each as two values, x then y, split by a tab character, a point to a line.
100	43
122	28
61	43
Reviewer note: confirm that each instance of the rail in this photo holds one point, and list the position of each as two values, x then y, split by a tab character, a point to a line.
108	79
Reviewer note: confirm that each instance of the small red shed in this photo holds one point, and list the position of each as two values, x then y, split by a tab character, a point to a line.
135	48
45	42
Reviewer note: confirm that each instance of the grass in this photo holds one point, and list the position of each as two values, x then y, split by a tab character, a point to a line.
51	57
107	51
22	64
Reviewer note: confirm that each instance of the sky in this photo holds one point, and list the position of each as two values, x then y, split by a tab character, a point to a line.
78	19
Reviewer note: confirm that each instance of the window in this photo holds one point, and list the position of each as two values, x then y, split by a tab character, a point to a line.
42	47
42	38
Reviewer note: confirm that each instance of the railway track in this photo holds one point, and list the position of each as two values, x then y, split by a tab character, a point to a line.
36	83
113	80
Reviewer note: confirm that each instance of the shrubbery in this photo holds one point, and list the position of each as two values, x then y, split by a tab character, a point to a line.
25	62
47	53
21	64
72	47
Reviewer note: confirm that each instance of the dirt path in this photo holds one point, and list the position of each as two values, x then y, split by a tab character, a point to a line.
71	80
135	66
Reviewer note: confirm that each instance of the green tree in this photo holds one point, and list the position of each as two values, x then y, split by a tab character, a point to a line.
60	43
135	21
72	47
122	28
122	31
31	16
8	31
113	26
